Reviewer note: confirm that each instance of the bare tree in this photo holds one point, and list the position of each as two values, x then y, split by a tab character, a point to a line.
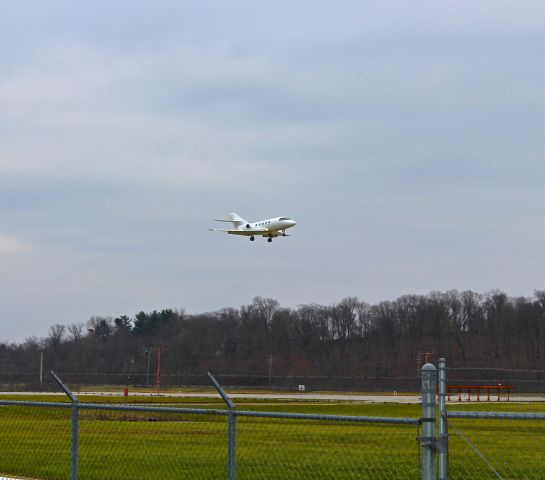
75	331
266	308
56	332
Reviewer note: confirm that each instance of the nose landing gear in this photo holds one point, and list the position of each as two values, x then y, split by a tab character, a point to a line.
252	238
269	239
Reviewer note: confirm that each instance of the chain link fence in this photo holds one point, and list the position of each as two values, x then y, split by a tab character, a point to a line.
496	445
299	446
35	442
490	440
59	441
122	442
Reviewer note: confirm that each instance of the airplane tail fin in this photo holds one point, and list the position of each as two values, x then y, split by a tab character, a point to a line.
235	219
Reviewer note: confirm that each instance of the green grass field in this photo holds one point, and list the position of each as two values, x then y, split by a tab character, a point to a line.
35	442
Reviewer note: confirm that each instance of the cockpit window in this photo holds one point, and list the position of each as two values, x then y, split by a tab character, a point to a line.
284	218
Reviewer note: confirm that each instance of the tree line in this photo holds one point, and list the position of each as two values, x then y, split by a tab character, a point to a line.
358	344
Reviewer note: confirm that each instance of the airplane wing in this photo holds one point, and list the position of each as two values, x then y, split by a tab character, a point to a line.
249	232
246	233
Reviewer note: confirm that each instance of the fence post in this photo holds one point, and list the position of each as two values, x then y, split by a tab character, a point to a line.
75	426
443	427
231	429
232	445
428	439
75	442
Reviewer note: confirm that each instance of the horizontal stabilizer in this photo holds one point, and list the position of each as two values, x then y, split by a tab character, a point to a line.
235	219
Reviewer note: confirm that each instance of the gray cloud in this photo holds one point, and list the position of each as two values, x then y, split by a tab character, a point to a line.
406	140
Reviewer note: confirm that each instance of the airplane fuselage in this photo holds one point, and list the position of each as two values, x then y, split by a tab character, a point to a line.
272	224
269	228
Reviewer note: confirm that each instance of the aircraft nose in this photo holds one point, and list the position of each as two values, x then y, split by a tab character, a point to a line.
292	223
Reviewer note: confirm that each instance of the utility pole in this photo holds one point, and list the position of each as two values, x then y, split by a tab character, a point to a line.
42	366
425	355
270	369
148	352
158	372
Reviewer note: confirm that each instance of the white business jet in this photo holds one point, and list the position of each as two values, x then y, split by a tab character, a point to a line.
270	228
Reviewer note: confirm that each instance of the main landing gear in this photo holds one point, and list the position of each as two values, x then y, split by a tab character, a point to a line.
252	238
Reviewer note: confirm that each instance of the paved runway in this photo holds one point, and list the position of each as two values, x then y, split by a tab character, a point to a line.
302	397
325	397
313	397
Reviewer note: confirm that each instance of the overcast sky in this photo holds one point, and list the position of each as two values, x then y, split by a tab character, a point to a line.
407	140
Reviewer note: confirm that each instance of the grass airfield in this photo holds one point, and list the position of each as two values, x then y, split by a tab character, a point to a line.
35	441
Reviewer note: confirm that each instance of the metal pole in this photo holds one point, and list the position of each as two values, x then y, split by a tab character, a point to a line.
222	392
231	444
75	426
75	443
42	367
428	439
270	369
158	374
231	429
149	360
443	427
